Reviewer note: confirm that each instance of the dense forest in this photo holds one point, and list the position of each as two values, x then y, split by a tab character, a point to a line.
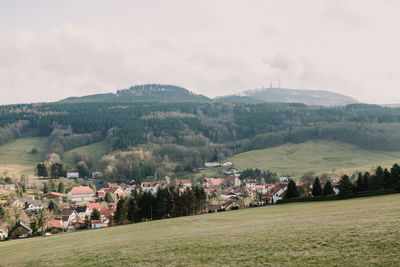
193	132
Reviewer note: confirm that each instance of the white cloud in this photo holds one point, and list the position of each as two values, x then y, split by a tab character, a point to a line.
54	50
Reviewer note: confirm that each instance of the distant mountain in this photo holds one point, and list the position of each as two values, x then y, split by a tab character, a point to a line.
159	91
146	92
308	97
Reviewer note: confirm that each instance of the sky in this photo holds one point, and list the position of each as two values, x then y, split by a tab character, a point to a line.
50	50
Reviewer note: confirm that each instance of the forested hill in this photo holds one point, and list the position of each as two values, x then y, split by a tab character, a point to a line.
146	92
308	97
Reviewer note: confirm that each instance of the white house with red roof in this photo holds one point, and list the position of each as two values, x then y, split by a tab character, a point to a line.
251	184
150	186
81	194
72	173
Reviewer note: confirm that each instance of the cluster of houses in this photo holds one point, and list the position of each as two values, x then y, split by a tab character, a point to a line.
77	206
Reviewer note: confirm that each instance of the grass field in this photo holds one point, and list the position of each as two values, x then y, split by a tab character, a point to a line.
95	151
16	159
356	232
320	156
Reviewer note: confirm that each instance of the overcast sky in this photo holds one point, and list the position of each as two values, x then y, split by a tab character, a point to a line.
54	49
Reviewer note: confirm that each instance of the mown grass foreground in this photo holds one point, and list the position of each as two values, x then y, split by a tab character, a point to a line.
356	232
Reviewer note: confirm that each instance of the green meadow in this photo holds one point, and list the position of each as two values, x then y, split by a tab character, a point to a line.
356	232
95	151
320	156
16	157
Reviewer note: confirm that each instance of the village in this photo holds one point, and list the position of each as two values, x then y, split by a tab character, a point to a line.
50	206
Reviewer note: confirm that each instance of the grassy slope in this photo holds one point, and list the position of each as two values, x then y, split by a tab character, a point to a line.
95	151
355	232
16	159
319	156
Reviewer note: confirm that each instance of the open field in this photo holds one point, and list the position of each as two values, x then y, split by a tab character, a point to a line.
356	232
95	151
16	159
319	156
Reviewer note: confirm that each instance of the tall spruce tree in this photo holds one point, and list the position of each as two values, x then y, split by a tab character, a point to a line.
42	170
95	214
328	189
395	173
292	190
316	190
61	187
346	187
360	183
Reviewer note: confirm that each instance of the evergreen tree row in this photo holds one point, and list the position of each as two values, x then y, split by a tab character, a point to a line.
167	203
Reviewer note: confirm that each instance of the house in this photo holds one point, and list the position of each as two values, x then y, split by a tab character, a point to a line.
54	226
277	194
260	188
3	234
130	190
227	164
81	194
231	204
95	224
72	173
284	179
19	230
251	184
228	194
115	190
335	187
92	206
33	205
150	186
67	217
181	183
212	164
97	175
82	211
56	197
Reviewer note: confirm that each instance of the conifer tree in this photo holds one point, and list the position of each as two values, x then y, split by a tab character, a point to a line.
108	198
328	189
61	187
346	187
95	214
360	183
292	190
46	188
316	190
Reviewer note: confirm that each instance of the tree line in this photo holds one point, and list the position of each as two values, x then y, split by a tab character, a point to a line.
167	203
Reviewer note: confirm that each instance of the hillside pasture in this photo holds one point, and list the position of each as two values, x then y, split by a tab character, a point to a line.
356	232
329	157
95	151
16	157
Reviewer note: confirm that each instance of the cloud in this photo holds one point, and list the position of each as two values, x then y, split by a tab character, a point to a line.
53	51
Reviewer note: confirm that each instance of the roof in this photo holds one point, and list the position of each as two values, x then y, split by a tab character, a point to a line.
251	181
72	170
52	194
35	202
81	190
149	184
95	221
92	206
81	209
20	223
259	186
54	224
